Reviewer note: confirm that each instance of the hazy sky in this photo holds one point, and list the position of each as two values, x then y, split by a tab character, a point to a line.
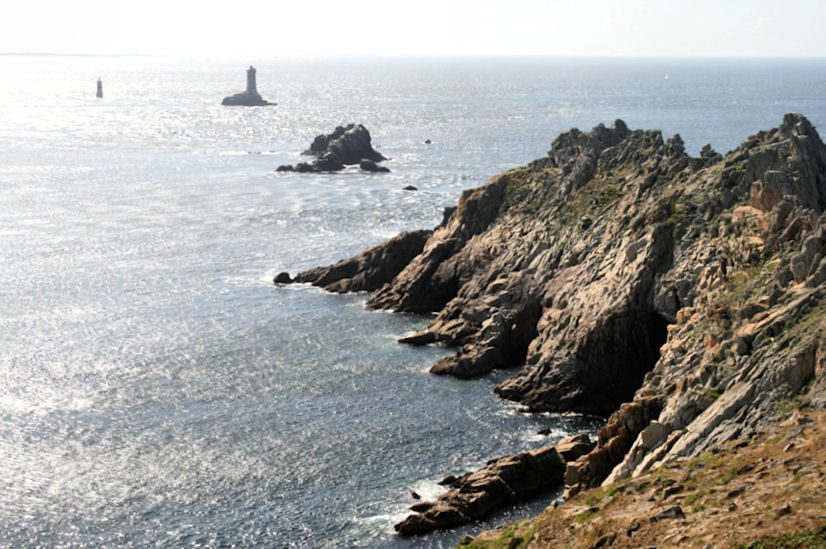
422	27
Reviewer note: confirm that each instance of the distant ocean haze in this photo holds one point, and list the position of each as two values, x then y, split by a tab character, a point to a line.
158	389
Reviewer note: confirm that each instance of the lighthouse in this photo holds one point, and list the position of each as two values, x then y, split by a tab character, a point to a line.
251	81
99	94
248	98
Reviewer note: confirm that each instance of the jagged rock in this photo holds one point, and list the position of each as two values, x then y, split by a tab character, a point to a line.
573	447
370	269
688	308
349	143
475	495
345	146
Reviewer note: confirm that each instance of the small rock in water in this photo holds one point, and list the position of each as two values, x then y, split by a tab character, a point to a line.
427	141
447	481
415	495
370	166
282	278
410	188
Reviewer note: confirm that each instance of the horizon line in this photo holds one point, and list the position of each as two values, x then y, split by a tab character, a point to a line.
420	56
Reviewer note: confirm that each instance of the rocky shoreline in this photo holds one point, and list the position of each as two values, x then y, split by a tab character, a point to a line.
682	297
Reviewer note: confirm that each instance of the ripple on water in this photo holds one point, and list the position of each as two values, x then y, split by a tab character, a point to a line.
158	390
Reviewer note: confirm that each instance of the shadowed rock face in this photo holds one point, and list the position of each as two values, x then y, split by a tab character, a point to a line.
682	296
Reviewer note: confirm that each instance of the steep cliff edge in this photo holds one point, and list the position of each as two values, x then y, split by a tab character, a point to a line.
682	296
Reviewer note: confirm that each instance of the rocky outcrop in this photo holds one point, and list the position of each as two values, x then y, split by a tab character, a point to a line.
475	495
345	146
245	99
351	144
681	297
369	270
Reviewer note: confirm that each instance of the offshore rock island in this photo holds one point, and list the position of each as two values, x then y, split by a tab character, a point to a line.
249	97
345	146
684	298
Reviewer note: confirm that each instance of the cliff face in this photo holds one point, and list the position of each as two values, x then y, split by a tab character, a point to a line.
683	296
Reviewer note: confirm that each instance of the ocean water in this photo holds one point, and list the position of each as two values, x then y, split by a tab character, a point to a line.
156	389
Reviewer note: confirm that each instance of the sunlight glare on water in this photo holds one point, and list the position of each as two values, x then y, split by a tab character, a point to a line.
156	389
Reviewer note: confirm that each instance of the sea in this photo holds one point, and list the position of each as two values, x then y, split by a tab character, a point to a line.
158	390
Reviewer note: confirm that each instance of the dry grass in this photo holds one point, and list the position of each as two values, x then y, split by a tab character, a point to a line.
769	491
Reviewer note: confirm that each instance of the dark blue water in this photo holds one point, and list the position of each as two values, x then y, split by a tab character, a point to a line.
157	390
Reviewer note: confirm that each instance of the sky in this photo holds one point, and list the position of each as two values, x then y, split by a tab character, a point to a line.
274	28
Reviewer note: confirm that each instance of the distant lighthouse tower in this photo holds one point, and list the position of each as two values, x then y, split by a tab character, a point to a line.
251	81
248	98
99	94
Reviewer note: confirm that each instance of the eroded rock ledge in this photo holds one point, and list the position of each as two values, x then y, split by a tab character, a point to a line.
683	297
502	481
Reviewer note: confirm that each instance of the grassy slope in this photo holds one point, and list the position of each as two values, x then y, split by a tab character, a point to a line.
769	491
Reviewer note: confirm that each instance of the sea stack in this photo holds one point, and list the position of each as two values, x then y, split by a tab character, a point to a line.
346	146
248	98
99	93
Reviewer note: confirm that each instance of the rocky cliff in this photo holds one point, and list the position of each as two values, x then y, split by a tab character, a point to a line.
683	297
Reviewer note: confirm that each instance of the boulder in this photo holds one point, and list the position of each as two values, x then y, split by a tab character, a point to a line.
573	447
370	166
282	278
